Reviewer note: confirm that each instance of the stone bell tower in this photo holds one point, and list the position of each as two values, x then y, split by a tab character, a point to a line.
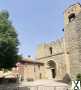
72	39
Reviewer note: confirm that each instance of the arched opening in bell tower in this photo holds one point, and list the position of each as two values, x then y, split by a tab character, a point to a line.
71	17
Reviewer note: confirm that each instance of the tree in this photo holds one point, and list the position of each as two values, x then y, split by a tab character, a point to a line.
8	42
19	58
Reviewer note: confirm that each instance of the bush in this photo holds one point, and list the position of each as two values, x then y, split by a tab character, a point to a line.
67	78
78	77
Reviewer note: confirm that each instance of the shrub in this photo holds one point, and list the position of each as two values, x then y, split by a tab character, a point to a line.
67	78
78	77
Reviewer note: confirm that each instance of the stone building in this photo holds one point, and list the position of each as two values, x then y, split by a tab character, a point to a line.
63	57
28	70
58	59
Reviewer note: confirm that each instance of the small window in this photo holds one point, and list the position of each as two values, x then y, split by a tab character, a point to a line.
71	17
39	67
34	68
40	76
50	49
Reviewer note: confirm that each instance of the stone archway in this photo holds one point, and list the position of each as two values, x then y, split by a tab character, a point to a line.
52	67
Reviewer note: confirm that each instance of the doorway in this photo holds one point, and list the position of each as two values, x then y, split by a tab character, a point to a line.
52	67
53	73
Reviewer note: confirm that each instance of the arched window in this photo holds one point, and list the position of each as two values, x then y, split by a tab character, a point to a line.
51	50
71	17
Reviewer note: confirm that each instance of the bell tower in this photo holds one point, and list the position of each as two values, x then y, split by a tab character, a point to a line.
72	39
71	12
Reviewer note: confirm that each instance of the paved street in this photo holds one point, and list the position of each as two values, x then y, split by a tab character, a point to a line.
45	85
36	85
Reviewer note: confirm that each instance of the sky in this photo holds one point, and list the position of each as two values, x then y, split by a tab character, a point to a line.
36	21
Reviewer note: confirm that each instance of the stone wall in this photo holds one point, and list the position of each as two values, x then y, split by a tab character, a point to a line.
57	56
43	50
73	44
29	72
66	52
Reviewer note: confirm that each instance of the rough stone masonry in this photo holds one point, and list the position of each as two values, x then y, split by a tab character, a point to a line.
62	57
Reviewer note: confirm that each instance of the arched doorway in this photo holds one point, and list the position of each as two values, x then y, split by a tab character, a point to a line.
52	67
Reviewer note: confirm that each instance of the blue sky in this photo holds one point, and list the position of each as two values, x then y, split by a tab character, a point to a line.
36	21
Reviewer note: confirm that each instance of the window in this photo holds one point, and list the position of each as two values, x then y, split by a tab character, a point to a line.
39	67
71	17
40	76
34	68
50	49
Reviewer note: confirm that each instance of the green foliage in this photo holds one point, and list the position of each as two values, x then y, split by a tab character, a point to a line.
78	77
19	58
8	42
